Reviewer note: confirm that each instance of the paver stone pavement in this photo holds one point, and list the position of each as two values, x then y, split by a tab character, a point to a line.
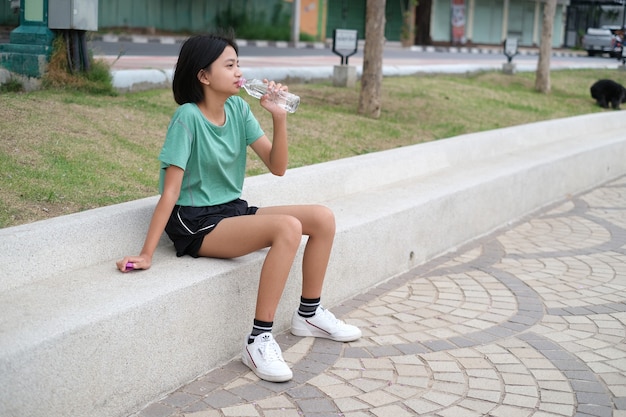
528	321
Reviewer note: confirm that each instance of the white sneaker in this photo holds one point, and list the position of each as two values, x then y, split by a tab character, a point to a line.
264	358
324	324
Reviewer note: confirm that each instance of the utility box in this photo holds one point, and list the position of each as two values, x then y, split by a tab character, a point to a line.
73	14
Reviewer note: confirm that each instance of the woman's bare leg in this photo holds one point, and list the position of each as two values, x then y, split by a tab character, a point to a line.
318	222
238	236
279	228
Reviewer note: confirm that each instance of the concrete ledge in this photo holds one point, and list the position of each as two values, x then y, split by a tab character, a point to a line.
79	338
136	80
139	80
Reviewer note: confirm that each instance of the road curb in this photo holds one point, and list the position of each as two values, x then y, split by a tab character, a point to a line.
173	40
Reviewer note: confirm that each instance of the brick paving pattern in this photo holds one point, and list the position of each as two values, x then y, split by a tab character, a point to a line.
528	321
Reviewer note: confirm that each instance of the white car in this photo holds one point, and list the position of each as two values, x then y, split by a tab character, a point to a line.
604	40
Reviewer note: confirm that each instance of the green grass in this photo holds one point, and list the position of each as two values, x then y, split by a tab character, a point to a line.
64	151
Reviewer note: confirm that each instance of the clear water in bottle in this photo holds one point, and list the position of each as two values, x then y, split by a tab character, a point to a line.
257	88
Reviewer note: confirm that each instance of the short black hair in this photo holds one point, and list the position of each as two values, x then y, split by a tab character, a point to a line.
198	52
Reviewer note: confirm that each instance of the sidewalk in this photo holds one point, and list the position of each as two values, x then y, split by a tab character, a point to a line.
528	321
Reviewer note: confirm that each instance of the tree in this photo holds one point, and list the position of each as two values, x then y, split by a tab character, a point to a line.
542	78
372	74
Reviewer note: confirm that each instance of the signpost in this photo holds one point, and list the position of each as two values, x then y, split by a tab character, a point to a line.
345	44
510	50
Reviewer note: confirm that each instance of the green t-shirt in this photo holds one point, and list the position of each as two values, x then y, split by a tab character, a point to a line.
213	157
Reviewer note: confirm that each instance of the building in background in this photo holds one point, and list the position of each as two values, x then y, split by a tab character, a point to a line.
438	22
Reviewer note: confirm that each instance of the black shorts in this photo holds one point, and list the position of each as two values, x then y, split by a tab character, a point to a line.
187	226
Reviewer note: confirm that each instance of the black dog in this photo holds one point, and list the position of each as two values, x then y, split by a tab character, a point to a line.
608	91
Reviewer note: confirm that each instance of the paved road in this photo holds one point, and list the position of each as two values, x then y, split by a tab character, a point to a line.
157	53
433	59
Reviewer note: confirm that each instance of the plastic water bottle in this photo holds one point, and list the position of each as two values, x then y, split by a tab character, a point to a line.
257	88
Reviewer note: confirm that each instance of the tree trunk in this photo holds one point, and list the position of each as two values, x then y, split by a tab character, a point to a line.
372	74
542	79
